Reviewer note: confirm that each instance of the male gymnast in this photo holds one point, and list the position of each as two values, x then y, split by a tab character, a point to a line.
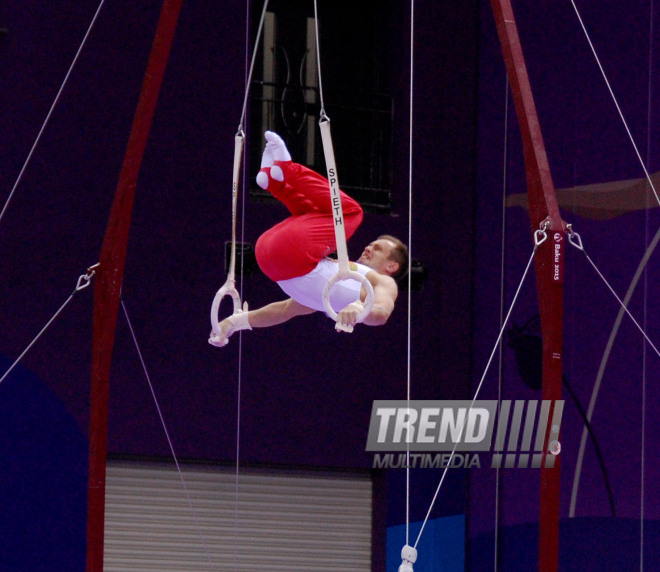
294	253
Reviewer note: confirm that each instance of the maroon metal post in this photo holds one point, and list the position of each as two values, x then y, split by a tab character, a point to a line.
549	263
109	279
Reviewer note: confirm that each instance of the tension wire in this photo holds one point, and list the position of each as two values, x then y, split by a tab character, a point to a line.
539	237
50	112
83	281
616	103
167	433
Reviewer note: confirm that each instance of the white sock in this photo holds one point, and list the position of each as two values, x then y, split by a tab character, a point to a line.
277	146
262	179
277	173
267	158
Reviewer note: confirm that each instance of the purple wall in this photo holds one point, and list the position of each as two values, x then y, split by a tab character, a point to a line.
306	392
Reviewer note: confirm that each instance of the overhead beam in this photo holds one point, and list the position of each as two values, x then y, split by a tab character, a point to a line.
549	265
110	276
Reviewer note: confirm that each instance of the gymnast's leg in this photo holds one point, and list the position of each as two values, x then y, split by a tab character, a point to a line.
294	246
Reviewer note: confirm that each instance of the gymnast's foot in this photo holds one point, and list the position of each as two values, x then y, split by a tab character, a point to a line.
277	146
267	161
275	151
271	179
267	158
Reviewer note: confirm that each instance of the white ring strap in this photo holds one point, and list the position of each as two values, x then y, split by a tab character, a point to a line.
229	287
340	235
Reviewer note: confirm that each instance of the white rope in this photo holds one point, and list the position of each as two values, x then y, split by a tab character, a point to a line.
410	186
616	103
254	55
83	282
318	59
537	243
642	440
50	112
238	450
239	382
505	152
167	433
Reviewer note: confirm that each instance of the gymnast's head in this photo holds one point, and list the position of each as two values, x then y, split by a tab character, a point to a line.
386	255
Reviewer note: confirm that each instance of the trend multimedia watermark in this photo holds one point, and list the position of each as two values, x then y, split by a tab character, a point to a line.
453	434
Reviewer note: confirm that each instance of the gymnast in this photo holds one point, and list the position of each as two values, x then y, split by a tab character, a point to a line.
294	253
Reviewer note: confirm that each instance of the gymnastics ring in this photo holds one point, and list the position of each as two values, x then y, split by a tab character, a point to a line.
368	303
228	289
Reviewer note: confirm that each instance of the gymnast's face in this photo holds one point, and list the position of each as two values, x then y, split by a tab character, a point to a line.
376	256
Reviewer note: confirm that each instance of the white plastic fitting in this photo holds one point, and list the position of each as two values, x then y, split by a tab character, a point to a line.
408	557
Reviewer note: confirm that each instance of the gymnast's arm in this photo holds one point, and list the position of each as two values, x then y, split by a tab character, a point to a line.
277	313
264	317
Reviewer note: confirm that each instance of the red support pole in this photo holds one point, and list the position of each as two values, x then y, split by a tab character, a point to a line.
109	280
549	263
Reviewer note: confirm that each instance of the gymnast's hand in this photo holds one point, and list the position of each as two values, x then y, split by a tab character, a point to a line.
235	322
349	315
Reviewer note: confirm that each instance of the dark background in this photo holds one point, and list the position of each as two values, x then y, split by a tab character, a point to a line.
305	392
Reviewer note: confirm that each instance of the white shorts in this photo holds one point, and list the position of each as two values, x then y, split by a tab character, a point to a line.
308	289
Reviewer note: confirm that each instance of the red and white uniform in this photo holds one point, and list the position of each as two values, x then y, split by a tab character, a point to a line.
308	288
294	252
